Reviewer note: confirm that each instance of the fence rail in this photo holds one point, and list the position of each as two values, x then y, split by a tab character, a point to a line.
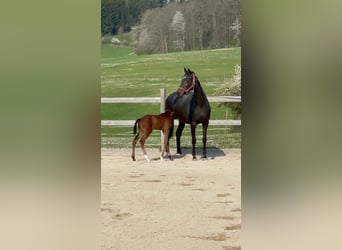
131	100
131	122
161	100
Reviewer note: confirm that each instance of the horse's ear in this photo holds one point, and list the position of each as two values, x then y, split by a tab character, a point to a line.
189	70
185	71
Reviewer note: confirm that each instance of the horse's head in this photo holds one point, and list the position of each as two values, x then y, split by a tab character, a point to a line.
188	82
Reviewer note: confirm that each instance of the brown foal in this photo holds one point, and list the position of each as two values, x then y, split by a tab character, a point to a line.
146	125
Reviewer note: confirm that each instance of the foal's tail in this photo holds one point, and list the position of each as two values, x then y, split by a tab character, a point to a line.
135	126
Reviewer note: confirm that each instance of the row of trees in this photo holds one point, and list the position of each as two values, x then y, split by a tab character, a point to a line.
120	15
161	26
197	24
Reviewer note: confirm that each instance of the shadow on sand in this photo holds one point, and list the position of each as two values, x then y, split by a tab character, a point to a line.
212	153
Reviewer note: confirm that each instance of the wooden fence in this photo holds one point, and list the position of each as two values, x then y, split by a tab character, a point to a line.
161	100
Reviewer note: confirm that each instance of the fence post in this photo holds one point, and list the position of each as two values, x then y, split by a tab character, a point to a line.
162	100
162	110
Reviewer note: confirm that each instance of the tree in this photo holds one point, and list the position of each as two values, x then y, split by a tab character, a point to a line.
153	33
236	28
147	35
107	13
178	25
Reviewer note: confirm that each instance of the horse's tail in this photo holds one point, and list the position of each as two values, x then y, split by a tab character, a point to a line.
135	126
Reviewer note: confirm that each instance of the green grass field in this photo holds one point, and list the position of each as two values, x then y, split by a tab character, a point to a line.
124	74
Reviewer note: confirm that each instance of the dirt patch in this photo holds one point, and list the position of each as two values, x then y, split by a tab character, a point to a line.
223	217
234	227
215	237
152	180
223	195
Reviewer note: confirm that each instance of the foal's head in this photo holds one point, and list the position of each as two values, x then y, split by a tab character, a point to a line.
171	114
187	83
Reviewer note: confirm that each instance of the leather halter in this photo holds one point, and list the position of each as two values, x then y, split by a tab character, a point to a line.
186	91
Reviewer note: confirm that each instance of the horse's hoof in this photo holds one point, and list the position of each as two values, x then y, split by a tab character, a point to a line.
133	158
194	158
204	157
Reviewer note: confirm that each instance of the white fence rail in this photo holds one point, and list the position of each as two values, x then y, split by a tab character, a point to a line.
130	100
161	100
158	99
131	122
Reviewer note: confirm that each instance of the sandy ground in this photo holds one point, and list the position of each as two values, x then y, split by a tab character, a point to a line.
179	204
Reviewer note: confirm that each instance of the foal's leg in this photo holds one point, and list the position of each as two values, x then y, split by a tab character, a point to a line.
134	142
163	148
168	149
142	143
178	136
165	144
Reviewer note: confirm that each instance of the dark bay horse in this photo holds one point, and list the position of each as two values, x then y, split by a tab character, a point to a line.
190	107
146	124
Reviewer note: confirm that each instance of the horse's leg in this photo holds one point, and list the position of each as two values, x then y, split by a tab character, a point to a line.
178	136
193	135
168	141
134	142
204	139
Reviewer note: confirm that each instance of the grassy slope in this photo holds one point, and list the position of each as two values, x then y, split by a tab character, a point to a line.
125	75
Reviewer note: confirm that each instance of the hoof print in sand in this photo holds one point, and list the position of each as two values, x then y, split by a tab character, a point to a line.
223	195
215	237
122	216
233	227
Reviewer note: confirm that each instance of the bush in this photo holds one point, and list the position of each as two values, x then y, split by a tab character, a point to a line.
106	39
115	41
232	88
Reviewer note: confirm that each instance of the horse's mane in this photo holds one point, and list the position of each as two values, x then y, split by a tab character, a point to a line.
199	93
